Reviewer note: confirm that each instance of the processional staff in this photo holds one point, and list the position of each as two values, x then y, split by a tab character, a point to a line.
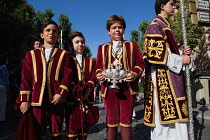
187	73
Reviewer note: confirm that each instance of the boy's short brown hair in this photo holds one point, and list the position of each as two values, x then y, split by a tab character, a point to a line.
158	4
113	19
37	41
72	36
48	23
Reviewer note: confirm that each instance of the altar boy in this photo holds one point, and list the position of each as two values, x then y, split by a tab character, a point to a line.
45	82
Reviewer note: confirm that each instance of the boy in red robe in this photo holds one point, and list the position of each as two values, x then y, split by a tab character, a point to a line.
45	81
83	80
119	104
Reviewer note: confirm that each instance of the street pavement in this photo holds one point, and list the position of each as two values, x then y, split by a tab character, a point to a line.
201	116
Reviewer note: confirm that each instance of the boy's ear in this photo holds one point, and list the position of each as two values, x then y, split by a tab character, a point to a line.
41	35
162	7
108	32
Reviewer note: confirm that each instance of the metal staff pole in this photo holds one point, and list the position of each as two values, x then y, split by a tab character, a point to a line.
188	84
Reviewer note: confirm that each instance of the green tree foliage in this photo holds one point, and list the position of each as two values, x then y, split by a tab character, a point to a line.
65	27
16	16
23	17
18	20
194	32
138	36
135	35
42	17
16	23
87	51
142	28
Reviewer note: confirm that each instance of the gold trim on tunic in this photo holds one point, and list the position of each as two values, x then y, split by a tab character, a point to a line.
113	125
59	65
64	87
55	135
25	92
71	135
126	125
34	65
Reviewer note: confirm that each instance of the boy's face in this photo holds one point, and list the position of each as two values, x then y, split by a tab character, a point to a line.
50	34
116	31
37	44
78	44
168	9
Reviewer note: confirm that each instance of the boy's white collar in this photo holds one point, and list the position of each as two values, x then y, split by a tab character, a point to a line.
48	46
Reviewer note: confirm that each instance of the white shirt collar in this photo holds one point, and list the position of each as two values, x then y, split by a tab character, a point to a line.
48	46
115	44
48	49
79	58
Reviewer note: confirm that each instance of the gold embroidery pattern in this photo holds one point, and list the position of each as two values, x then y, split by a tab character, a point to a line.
185	109
145	49
155	48
165	95
148	98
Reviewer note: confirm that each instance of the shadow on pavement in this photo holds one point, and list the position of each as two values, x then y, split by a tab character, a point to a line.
199	126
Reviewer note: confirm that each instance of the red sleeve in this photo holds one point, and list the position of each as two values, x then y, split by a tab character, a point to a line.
66	80
139	63
26	79
99	64
92	81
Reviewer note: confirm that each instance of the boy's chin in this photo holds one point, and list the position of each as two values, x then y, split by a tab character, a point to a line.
51	42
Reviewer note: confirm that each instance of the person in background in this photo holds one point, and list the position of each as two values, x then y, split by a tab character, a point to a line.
14	87
207	73
166	109
45	82
82	87
4	86
140	95
119	104
97	92
37	44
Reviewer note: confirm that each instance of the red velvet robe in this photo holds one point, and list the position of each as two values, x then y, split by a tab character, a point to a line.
87	77
36	76
131	60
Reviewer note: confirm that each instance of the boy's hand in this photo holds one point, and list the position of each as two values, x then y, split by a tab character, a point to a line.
187	50
56	99
101	77
131	77
186	59
24	106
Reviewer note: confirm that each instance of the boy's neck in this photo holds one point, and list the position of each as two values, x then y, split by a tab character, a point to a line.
48	46
164	15
76	53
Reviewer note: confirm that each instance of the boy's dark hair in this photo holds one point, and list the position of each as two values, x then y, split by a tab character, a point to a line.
72	36
113	19
48	23
36	41
158	5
